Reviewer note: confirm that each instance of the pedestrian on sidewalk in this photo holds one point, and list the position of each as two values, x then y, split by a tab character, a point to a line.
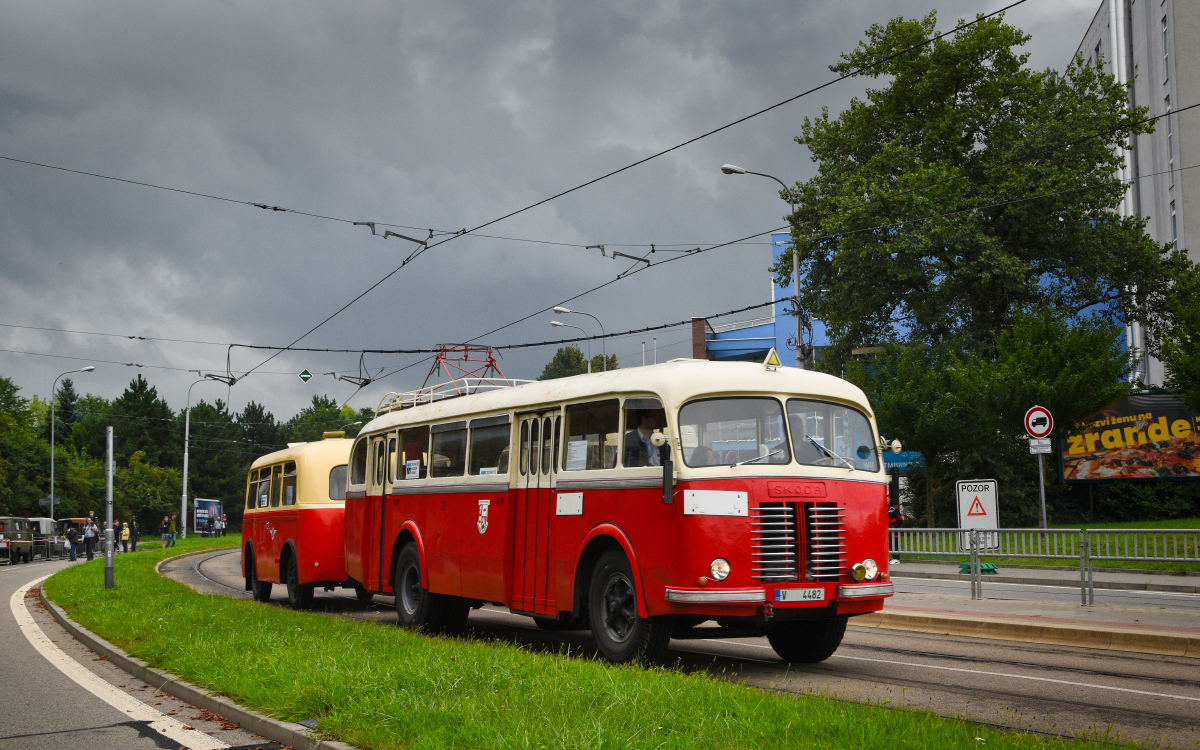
224	524
164	530
90	532
72	539
173	529
116	537
124	537
134	535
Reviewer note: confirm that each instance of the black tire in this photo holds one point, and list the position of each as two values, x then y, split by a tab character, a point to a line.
416	606
621	635
806	641
300	595
363	595
260	590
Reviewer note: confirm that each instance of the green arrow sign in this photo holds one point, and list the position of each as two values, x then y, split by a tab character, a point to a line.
306	376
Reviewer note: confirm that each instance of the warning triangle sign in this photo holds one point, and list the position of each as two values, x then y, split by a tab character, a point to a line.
976	508
772	360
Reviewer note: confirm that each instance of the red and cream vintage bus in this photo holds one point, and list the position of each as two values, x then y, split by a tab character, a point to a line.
292	528
640	503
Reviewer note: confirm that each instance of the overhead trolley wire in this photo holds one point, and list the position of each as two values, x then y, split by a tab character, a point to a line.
853	73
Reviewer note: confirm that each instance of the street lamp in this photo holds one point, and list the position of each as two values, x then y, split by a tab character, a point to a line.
350	424
53	390
187	428
734	169
560	324
560	310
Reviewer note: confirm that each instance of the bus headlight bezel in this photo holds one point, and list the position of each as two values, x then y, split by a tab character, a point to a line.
718	570
867	570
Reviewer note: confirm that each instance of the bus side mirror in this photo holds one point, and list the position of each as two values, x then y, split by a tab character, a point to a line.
896	446
658	438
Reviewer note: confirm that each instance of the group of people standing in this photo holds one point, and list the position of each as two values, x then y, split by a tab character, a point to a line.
125	536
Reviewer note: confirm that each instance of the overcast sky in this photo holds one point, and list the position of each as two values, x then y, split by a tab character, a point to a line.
437	115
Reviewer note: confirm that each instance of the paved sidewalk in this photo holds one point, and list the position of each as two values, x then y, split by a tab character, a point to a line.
1102	578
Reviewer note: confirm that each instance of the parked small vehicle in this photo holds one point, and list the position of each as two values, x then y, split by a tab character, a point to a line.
16	539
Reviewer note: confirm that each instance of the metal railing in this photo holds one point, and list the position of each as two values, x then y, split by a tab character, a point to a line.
1076	545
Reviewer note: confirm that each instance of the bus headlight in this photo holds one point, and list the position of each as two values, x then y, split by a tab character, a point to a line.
719	570
866	570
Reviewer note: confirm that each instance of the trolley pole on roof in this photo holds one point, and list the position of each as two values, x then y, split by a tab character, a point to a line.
108	508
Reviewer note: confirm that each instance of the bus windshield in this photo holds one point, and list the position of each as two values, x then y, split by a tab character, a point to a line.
828	434
726	431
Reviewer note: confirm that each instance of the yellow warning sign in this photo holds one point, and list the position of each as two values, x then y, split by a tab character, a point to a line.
772	360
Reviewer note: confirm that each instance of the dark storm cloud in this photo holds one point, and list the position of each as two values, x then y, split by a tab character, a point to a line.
438	115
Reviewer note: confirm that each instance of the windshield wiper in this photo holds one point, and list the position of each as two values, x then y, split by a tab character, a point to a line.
830	453
775	452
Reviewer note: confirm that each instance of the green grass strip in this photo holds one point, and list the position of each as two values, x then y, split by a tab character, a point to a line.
376	686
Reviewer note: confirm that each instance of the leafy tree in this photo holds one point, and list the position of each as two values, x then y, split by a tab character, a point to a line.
259	427
323	415
569	360
24	457
1180	350
969	188
65	414
140	419
145	492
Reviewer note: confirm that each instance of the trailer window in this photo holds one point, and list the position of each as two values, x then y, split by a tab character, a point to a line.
337	483
289	483
489	449
726	431
593	440
449	452
358	463
415	453
828	434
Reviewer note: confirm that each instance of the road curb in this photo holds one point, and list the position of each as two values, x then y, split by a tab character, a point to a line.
1109	585
287	733
1083	636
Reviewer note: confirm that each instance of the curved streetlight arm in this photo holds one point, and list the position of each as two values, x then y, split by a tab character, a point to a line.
603	333
560	324
187	428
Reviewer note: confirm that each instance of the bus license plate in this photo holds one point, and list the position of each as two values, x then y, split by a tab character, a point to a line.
800	595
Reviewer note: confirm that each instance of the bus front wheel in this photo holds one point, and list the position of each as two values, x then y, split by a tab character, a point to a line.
806	641
621	635
416	606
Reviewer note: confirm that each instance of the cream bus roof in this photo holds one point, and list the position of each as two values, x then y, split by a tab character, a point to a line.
675	382
327	453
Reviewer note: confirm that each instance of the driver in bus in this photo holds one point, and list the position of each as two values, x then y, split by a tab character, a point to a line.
639	451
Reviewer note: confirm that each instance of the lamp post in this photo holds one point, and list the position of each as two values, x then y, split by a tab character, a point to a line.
187	428
560	324
350	424
560	310
800	362
53	390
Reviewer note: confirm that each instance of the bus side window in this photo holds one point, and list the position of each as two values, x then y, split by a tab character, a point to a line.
643	416
449	450
289	483
524	448
391	459
251	489
489	445
414	454
358	462
264	487
593	440
337	483
276	484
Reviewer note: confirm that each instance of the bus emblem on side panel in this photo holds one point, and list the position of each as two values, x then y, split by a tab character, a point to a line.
482	523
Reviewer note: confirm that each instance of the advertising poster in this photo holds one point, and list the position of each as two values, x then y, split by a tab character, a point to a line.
205	510
1143	437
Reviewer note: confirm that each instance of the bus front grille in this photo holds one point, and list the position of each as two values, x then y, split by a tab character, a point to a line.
774	542
825	539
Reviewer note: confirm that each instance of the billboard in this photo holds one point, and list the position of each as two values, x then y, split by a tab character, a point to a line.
1150	436
206	509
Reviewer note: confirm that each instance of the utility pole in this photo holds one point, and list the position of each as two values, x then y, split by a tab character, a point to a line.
108	523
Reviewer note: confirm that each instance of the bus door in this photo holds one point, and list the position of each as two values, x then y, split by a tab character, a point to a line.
536	472
381	459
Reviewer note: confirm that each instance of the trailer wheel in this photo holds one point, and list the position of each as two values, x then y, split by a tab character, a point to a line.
621	635
261	590
300	596
806	641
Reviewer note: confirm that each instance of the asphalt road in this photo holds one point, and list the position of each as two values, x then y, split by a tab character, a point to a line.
1055	690
42	708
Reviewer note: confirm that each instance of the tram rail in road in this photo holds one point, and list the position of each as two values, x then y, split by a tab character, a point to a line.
1046	689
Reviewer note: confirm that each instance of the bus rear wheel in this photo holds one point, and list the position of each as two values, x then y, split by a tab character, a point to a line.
621	634
806	641
260	590
416	606
300	595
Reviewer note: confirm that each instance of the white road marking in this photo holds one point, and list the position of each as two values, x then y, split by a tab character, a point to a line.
991	674
110	694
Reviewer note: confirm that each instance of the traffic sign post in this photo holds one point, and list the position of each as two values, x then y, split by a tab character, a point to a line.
1039	423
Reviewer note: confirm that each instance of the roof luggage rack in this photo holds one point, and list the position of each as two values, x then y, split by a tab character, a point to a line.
440	391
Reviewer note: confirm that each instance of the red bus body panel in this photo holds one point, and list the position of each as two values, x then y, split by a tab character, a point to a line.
316	535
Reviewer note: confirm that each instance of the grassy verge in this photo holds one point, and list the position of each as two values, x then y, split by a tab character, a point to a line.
1173	523
376	686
